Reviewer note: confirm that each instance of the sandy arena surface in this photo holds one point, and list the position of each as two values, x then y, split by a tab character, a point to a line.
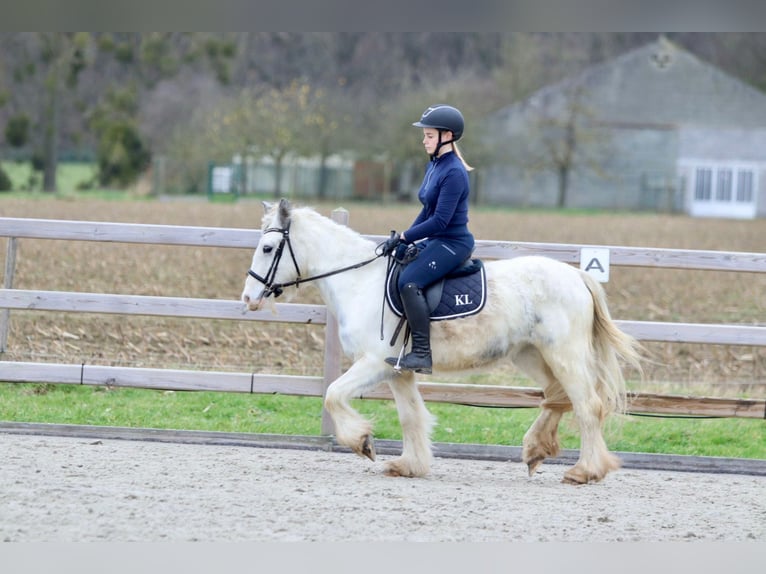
58	489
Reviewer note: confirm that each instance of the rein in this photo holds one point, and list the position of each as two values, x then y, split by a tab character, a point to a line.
271	288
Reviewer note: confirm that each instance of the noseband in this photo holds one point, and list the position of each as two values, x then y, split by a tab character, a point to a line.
272	288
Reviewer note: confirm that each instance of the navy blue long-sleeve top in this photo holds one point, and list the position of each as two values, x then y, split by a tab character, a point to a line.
444	195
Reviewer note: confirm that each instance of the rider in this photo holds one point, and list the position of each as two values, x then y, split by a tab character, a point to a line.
440	229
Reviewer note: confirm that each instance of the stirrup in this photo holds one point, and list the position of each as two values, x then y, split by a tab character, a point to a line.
395	362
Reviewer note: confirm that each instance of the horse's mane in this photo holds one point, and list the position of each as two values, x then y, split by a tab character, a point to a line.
306	215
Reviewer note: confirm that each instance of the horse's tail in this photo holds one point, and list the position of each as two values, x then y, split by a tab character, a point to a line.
611	345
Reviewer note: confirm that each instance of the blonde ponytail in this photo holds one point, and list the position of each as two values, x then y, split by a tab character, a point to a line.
460	155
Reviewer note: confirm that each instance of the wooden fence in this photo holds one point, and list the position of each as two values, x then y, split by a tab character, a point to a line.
16	229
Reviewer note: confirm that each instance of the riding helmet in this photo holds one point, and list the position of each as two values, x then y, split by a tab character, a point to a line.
443	117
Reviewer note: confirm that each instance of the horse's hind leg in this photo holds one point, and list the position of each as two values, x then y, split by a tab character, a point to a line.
575	375
416	423
541	440
595	460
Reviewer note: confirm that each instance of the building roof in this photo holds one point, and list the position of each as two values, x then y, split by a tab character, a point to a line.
659	84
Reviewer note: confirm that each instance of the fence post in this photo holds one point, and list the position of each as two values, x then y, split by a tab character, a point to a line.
332	351
5	314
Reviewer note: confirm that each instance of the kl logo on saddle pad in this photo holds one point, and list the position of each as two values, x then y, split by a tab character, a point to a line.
463	299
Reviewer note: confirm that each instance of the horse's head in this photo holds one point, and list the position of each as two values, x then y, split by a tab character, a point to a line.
274	266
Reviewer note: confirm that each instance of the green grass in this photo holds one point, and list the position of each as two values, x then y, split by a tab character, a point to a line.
276	414
69	176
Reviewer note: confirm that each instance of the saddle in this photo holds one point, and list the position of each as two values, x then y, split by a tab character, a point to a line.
461	293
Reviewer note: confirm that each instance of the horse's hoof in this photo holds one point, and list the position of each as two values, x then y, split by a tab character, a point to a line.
573	480
397	468
534	464
368	448
577	476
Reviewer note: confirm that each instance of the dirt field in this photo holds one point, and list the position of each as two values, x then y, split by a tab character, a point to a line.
59	489
638	294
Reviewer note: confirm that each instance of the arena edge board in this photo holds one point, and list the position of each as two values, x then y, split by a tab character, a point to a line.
643	461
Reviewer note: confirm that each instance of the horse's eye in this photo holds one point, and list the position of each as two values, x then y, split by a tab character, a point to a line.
267	248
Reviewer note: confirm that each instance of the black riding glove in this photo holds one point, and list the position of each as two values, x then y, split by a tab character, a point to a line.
390	244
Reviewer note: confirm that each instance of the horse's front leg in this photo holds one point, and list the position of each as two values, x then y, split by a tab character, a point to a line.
351	428
416	423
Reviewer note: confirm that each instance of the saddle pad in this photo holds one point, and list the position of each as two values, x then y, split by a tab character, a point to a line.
460	296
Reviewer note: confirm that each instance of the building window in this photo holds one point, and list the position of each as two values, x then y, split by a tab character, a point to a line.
726	184
702	187
723	184
745	185
723	189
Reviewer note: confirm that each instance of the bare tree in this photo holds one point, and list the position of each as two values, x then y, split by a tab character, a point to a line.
567	138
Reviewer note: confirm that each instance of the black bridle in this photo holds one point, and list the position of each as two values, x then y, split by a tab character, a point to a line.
272	288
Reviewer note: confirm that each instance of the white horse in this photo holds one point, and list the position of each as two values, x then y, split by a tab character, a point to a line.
549	318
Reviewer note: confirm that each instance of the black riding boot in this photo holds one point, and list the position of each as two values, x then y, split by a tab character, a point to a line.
417	313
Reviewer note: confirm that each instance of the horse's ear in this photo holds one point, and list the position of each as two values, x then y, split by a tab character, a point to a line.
284	209
267	205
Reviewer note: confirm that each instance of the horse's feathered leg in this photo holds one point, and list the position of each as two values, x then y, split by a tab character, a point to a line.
577	379
351	429
566	372
606	394
416	423
541	440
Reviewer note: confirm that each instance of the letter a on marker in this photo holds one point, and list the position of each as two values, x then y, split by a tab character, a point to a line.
594	264
595	261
